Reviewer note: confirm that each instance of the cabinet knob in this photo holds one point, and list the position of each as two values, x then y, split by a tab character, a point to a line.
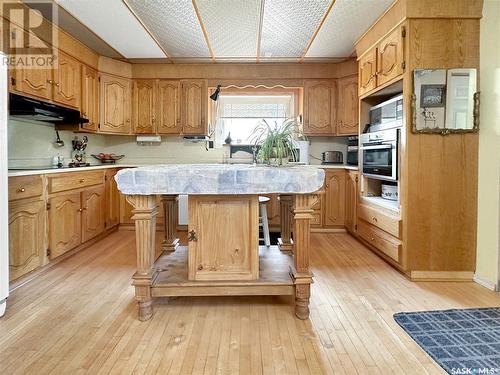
82	180
57	84
80	209
200	267
374	219
373	238
49	81
22	190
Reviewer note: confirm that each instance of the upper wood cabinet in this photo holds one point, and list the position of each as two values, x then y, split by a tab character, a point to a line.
114	97
90	98
194	106
67	75
334	212
351	201
112	199
144	106
319	105
168	113
93	215
347	109
27	250
32	82
367	71
65	217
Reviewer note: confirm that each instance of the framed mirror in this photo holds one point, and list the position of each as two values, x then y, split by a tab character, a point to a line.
445	101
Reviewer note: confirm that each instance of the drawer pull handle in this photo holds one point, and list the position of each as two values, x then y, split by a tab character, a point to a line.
22	190
82	180
374	219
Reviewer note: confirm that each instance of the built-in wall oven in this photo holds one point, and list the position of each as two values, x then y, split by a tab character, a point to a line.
379	154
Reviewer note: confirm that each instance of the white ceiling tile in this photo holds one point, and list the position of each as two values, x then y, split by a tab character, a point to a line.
347	21
111	20
288	26
232	26
174	24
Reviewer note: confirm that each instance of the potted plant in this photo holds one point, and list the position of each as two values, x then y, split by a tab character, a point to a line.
277	143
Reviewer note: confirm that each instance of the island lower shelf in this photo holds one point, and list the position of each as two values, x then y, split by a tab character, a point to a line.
172	280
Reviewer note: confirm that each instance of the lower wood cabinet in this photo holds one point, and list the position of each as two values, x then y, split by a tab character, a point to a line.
93	214
65	223
351	201
27	228
334	211
112	199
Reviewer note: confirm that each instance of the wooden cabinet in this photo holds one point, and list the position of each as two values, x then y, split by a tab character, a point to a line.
194	107
334	211
27	250
367	72
237	257
65	218
114	98
90	98
112	198
319	104
22	187
67	84
347	109
32	82
144	106
168	113
93	214
351	201
390	57
317	207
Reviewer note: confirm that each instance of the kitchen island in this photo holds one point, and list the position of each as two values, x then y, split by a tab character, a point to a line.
223	256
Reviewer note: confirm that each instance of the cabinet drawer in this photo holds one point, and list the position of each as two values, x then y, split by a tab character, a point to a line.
25	187
69	181
379	239
391	224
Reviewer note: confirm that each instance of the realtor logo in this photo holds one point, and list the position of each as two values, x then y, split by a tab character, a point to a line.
29	34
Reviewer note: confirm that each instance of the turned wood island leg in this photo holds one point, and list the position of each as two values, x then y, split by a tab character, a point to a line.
144	215
169	205
285	242
300	270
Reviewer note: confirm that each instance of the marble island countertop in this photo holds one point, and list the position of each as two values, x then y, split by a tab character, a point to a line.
220	179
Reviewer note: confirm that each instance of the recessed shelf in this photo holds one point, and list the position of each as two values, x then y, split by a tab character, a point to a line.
385	203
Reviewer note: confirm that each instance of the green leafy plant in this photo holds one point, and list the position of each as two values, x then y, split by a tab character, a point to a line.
276	143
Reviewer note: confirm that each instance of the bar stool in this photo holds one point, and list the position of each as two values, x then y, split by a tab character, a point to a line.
263	222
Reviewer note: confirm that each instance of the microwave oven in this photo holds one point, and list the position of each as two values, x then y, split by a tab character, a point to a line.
387	115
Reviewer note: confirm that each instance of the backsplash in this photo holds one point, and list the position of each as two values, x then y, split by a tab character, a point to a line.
33	144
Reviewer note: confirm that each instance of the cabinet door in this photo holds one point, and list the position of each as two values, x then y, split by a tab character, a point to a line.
317	220
235	258
90	98
65	219
114	97
169	108
93	205
32	82
351	201
144	106
390	57
112	199
67	75
347	115
367	71
319	108
26	237
194	106
335	197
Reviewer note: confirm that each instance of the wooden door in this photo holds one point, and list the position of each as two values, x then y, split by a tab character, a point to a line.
319	118
27	250
90	98
65	218
67	84
390	57
224	243
351	201
347	110
144	106
168	108
112	199
93	205
114	109
32	82
334	197
194	106
367	71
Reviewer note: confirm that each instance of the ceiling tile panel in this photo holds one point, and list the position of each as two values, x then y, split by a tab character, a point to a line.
111	20
288	26
347	21
232	26
174	24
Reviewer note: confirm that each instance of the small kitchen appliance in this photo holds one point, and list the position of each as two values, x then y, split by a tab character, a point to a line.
379	154
387	115
332	157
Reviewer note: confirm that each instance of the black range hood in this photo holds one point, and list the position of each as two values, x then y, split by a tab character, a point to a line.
38	110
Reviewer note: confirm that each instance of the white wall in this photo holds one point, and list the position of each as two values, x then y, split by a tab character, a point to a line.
487	269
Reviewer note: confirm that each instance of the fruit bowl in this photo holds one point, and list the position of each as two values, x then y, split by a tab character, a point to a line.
108	158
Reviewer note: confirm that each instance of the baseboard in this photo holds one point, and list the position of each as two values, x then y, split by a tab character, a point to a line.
486	283
328	230
441	275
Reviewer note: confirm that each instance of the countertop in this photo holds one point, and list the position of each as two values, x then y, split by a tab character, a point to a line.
14	173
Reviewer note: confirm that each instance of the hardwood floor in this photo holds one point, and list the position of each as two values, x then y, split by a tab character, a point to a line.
65	322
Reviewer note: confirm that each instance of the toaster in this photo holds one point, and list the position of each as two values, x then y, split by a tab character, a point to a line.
332	157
